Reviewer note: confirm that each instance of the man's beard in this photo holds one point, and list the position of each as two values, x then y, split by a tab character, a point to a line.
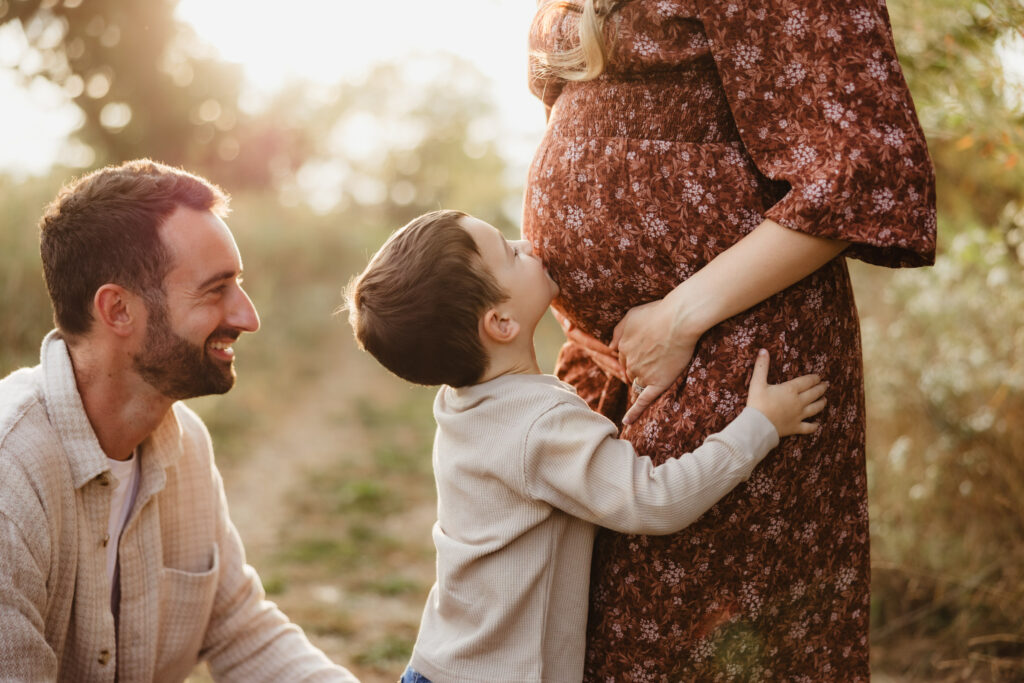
176	367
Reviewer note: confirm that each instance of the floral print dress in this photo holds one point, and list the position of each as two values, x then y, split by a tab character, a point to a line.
713	116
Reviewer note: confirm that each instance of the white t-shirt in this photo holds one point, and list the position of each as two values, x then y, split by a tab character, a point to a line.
126	472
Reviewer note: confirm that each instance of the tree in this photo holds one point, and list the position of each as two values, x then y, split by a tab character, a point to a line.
147	86
139	76
402	143
971	107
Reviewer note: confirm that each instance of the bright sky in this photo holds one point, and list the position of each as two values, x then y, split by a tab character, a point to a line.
322	40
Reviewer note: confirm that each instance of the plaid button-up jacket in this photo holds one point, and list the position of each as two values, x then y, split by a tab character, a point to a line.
186	593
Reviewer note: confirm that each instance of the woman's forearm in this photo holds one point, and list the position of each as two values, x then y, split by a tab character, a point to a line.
764	262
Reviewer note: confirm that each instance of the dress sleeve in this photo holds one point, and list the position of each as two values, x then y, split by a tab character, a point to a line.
821	103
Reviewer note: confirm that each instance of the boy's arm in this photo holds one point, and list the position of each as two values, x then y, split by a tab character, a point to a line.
575	463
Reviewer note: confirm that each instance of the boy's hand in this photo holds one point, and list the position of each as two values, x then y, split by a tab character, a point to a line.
600	353
788	404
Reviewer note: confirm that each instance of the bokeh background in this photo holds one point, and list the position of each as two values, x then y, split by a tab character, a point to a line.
333	123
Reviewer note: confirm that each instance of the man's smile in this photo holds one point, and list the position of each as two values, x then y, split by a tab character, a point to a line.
222	349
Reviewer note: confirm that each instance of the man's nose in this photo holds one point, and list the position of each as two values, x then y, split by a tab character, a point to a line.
243	315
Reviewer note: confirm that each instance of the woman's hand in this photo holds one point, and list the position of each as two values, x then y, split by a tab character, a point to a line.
600	353
656	341
653	349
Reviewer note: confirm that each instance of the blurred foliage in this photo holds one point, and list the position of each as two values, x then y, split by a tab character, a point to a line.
25	313
946	396
147	86
944	358
971	107
144	83
410	138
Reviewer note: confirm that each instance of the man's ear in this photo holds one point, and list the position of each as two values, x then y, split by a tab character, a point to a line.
117	309
499	327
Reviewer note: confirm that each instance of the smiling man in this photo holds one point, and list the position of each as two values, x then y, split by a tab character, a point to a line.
118	560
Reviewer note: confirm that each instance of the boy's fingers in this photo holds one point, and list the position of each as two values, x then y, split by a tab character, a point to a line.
645	399
610	365
807	427
577	336
562	321
804	382
616	336
760	375
815	392
813	409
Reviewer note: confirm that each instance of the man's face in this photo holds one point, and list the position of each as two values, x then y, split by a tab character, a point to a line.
187	350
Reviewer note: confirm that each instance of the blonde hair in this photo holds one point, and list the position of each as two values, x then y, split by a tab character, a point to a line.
587	60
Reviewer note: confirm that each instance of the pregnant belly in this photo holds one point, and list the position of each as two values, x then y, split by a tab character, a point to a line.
621	221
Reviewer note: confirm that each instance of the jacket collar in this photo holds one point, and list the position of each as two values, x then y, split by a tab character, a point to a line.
67	414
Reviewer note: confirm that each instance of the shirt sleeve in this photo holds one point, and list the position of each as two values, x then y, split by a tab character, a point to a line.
574	462
248	638
24	653
821	103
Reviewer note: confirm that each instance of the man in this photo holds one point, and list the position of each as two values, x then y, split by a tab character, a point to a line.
118	560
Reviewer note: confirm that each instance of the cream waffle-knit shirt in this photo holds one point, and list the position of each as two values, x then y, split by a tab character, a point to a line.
524	470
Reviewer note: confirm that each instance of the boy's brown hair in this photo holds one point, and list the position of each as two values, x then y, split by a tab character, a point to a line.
104	228
417	306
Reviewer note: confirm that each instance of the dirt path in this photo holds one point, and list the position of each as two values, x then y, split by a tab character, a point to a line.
259	484
262	489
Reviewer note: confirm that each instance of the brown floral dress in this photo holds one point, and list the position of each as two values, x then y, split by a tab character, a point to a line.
712	116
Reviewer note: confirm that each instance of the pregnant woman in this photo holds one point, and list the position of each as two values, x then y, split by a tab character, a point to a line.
707	168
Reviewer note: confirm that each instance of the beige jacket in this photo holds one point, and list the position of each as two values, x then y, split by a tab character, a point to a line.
186	592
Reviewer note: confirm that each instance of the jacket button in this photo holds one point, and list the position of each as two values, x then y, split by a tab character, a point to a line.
106	540
104	657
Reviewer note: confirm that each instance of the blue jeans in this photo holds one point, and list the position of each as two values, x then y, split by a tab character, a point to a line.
410	676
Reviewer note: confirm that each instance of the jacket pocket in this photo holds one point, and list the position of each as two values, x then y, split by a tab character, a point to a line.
186	601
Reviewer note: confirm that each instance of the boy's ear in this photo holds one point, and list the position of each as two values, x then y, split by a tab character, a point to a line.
499	327
117	309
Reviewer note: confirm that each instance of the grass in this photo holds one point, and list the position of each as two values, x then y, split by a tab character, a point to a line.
394	586
387	651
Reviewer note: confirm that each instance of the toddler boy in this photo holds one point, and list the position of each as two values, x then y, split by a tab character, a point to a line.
524	469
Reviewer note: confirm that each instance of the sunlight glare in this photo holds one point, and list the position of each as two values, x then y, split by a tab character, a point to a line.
43	119
1010	49
326	42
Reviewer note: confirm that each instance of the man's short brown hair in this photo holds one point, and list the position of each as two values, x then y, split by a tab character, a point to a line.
417	306
104	228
